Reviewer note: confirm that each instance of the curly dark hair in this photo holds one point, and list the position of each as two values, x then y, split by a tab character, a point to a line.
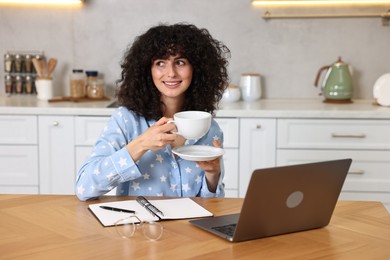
208	57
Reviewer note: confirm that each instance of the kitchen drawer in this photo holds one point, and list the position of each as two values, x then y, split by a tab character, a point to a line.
89	128
18	130
369	171
19	165
367	196
230	130
333	134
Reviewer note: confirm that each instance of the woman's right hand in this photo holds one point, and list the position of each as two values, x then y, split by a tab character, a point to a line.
154	138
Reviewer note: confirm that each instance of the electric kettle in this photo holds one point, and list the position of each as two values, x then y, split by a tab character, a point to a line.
337	84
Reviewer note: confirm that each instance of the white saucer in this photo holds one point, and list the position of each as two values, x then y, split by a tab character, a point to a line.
198	153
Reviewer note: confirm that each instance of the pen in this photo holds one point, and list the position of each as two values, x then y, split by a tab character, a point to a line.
117	209
150	207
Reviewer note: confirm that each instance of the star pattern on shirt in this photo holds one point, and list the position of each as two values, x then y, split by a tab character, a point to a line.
159	158
135	186
146	176
110	176
96	171
80	190
198	179
185	187
173	187
188	170
174	164
122	162
163	178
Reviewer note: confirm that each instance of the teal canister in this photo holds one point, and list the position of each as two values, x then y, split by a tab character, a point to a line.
337	85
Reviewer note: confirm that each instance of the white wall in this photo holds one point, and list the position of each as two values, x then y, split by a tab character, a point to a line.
287	53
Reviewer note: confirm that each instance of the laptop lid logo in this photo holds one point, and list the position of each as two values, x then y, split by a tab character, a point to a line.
294	199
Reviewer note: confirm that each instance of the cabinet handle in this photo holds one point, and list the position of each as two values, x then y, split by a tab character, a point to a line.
356	172
258	126
335	135
56	123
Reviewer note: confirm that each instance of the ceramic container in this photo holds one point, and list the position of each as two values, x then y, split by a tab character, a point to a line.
250	85
231	94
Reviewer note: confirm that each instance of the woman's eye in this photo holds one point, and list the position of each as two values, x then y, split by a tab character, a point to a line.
180	62
159	63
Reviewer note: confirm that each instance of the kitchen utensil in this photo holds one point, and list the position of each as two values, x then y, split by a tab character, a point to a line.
250	87
337	84
51	65
381	90
43	66
37	67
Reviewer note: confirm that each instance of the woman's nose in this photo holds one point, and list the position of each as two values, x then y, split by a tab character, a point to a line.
171	71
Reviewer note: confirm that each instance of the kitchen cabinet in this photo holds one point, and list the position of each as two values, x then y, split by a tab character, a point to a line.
257	148
56	154
366	142
41	149
19	154
230	128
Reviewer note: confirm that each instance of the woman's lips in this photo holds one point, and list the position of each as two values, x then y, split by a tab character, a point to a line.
172	84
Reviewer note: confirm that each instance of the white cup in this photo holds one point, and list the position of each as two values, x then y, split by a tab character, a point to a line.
250	85
44	88
192	124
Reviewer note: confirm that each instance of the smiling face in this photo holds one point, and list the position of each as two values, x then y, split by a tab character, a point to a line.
172	77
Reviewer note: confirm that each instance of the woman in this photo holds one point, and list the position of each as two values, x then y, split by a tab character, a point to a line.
168	69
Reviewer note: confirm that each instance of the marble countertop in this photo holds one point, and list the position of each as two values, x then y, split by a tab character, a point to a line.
265	108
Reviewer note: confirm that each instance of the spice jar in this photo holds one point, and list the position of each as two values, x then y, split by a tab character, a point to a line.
77	84
95	85
28	63
18	63
8	84
18	84
28	84
8	62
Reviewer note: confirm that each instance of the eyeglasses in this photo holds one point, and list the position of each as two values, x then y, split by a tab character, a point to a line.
126	228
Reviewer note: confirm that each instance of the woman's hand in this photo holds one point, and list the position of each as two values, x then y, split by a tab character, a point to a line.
212	170
154	138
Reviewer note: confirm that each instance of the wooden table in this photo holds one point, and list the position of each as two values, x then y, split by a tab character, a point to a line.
61	227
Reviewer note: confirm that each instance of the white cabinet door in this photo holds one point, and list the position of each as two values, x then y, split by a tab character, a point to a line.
18	130
230	161
257	148
56	154
19	169
89	128
230	130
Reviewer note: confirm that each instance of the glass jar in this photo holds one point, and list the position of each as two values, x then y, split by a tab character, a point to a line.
28	84
96	89
8	60
18	63
8	84
18	84
77	84
95	85
28	63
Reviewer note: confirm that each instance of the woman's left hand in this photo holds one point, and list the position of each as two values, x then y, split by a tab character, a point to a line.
212	169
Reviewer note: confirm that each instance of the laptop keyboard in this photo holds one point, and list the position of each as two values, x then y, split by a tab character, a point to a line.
227	229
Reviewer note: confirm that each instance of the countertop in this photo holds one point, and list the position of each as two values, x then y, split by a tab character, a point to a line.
265	108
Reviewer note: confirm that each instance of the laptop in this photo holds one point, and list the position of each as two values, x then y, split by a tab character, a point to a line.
283	200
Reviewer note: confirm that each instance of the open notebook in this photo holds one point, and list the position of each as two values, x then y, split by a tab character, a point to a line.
180	208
